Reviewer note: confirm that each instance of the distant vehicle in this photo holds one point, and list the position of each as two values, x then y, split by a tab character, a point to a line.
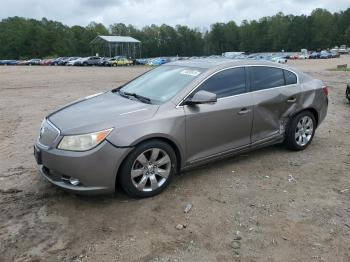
57	60
21	62
304	56
63	61
325	54
66	60
315	55
334	54
157	61
232	55
121	61
335	49
88	61
34	61
46	62
343	50
109	61
279	59
104	61
8	62
347	92
142	61
74	62
294	56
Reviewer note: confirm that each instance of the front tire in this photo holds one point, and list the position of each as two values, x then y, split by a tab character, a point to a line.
148	169
300	131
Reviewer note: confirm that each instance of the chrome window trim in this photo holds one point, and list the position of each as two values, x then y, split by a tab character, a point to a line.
248	92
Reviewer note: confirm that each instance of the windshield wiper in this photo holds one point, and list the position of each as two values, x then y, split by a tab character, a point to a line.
138	97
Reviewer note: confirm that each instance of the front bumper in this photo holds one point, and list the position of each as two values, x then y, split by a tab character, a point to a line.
95	169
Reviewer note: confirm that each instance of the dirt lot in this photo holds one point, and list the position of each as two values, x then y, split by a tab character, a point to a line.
244	208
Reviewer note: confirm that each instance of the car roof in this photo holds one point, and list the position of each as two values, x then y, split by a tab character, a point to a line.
212	63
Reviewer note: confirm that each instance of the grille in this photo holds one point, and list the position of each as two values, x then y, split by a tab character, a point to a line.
48	134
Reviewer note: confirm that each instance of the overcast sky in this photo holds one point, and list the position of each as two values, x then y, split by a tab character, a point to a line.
194	13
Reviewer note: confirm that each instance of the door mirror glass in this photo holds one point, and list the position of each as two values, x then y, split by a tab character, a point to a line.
201	97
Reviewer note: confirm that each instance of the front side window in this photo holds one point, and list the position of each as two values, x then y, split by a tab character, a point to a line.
225	83
162	83
266	77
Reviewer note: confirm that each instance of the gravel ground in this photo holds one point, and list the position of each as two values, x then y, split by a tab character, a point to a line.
267	205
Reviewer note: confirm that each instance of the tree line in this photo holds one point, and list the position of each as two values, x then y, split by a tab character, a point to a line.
28	38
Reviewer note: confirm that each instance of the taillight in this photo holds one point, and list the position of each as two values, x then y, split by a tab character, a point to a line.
325	90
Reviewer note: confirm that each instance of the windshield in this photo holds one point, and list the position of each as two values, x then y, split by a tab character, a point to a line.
162	83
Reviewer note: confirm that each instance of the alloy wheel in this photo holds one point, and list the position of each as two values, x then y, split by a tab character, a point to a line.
304	131
150	169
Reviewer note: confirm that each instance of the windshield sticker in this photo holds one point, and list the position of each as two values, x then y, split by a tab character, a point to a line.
190	72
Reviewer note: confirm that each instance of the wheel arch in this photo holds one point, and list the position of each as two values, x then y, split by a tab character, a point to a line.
167	140
310	109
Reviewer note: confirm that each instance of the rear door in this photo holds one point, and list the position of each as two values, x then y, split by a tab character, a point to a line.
276	93
215	128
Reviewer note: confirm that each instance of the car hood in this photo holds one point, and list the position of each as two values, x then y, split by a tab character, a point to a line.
100	111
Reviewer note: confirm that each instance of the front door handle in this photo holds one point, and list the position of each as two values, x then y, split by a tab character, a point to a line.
291	100
243	111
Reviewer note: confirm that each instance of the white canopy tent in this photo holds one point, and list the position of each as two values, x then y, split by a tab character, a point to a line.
110	45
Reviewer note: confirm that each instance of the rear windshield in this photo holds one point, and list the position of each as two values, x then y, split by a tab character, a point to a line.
162	83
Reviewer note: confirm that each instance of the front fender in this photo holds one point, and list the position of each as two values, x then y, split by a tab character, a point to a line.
170	127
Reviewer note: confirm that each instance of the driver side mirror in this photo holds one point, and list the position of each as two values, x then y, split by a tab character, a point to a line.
201	97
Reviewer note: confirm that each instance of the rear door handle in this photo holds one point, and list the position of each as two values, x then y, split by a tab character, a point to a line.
291	100
244	111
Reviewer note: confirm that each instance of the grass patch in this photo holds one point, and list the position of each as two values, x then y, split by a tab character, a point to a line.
341	69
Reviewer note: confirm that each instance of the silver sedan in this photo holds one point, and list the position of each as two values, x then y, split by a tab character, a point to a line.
177	116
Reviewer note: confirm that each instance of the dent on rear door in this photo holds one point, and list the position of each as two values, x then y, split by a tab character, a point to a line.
272	109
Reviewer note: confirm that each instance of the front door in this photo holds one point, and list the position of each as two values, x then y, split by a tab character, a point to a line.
222	126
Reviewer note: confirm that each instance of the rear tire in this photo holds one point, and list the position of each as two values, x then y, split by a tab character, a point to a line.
347	93
300	131
148	169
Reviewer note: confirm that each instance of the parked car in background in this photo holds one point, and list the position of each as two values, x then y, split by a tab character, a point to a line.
8	62
34	61
104	61
334	54
325	54
304	56
315	55
141	61
63	61
294	56
66	60
120	61
157	61
88	61
279	59
177	116
110	61
57	60
347	92
335	49
46	62
74	62
21	62
343	49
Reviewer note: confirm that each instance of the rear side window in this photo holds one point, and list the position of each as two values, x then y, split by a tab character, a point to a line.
290	77
266	77
225	83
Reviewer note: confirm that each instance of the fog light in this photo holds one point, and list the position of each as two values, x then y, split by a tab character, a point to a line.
74	181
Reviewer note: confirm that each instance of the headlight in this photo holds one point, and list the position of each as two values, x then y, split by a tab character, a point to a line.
83	142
